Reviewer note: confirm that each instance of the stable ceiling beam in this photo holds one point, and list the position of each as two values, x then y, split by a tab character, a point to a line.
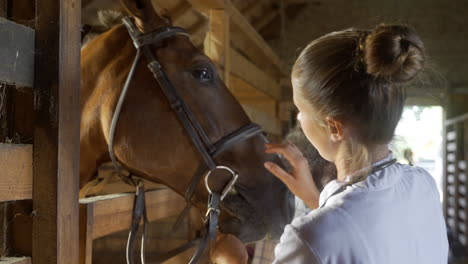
246	38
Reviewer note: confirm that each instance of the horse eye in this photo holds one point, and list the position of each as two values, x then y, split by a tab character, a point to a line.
202	74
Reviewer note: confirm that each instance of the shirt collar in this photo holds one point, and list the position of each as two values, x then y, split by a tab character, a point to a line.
333	186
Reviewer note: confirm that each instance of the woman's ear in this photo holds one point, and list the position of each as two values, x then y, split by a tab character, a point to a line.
335	129
146	18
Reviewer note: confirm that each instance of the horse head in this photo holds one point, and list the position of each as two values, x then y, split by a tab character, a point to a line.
150	140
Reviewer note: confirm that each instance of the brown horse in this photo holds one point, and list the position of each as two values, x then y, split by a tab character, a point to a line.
151	142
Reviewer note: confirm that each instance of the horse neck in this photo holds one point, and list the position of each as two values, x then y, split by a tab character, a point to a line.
98	54
96	57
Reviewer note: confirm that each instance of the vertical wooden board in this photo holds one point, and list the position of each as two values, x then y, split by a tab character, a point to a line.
86	233
56	134
217	41
16	172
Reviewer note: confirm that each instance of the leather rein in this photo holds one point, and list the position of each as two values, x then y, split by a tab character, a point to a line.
207	150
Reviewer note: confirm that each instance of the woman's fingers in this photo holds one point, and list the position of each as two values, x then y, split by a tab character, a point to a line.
279	172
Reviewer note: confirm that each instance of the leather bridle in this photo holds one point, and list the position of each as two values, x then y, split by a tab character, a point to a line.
197	134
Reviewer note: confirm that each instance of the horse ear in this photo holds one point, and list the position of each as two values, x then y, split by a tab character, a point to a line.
146	18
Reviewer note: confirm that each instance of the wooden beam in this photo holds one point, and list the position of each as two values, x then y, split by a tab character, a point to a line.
197	28
250	9
265	20
113	213
267	106
249	72
16	54
243	90
270	124
16	172
204	5
245	37
218	43
56	134
22	260
179	12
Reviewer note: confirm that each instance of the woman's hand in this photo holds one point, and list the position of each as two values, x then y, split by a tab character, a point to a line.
299	180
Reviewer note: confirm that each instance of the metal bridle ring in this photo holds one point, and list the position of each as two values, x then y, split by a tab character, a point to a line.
228	186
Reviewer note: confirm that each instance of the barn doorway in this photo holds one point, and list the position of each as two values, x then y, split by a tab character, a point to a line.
418	140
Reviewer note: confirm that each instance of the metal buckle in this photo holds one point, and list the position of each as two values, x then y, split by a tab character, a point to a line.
228	186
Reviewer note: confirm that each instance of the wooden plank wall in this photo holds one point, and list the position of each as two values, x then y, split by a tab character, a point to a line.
16	172
16	54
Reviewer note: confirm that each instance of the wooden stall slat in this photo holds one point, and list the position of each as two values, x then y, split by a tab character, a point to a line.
56	134
244	90
247	71
16	54
113	213
245	37
269	123
218	42
15	172
23	260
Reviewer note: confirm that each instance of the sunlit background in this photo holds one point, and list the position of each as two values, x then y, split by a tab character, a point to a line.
420	133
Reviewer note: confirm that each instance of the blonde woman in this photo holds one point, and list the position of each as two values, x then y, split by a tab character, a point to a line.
349	87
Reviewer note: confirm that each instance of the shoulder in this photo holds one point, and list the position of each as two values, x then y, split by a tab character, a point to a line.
326	220
419	178
329	233
322	228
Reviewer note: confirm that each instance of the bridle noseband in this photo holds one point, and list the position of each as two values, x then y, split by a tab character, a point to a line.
195	131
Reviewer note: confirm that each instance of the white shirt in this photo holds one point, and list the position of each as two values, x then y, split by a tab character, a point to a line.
394	216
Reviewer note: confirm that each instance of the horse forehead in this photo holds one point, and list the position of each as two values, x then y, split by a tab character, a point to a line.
180	47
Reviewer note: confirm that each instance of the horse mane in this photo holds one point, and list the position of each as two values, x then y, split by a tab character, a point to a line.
107	19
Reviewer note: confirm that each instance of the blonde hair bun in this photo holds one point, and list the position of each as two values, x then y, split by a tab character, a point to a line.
394	52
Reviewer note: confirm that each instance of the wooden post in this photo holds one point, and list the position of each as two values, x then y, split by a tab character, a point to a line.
56	133
86	233
217	42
